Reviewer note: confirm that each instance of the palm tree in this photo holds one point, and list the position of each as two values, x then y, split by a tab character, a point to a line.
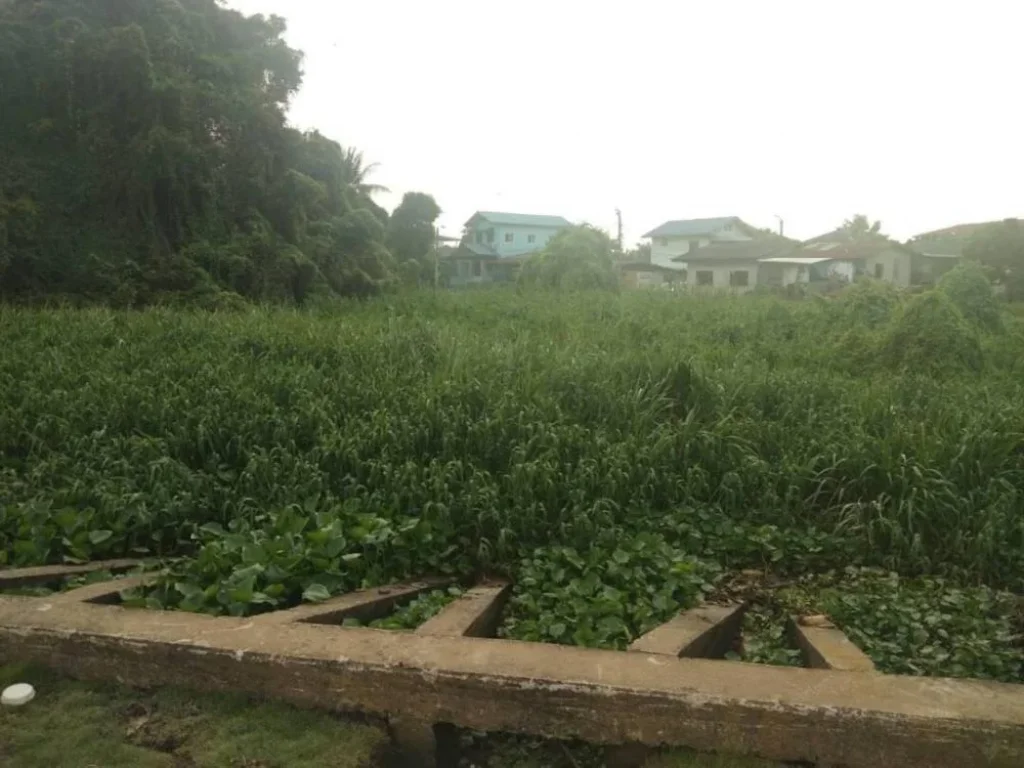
355	173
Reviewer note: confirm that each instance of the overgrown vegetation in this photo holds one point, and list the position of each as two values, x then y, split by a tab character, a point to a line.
612	454
145	158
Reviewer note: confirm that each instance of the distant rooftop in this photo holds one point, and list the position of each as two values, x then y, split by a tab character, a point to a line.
693	227
520	219
742	250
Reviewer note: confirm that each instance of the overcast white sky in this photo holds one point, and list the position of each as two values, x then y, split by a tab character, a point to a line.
911	111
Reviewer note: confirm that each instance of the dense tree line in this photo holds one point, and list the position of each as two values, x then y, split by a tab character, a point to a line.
145	156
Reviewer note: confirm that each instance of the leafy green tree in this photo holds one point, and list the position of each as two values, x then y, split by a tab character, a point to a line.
145	155
1000	248
578	257
860	227
411	235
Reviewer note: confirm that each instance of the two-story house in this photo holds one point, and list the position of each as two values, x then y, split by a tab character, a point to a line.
675	239
494	244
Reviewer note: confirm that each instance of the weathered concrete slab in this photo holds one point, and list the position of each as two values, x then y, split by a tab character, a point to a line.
707	631
365	605
474	614
861	721
827	647
44	574
106	592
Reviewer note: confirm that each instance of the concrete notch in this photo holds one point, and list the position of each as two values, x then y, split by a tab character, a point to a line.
707	631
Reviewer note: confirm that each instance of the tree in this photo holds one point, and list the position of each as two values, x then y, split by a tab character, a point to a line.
145	155
860	227
578	257
1000	249
411	235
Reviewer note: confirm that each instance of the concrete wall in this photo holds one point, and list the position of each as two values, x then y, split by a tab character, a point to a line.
893	266
521	239
720	275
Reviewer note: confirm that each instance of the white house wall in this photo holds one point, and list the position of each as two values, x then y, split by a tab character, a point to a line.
720	276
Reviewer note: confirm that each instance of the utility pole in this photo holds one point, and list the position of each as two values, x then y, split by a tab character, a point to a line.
782	225
618	217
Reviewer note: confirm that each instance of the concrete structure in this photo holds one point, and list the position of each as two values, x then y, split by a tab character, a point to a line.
826	717
494	244
874	256
823	646
731	267
675	239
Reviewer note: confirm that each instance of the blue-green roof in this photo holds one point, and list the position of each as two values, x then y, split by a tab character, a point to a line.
692	227
520	219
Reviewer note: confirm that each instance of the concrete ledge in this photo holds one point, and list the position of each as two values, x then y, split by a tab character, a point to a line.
365	605
474	614
826	647
861	721
44	574
707	631
106	592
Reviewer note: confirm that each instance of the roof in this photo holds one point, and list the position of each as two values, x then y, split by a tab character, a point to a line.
520	219
840	245
809	261
741	250
692	227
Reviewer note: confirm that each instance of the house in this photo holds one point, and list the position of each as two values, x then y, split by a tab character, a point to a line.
495	244
674	239
942	249
844	255
732	266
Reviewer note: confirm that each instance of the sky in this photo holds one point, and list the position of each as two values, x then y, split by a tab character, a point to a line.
910	111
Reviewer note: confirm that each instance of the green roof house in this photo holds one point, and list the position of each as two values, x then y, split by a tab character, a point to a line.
675	239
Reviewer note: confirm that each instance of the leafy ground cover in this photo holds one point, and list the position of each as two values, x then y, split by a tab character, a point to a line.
617	456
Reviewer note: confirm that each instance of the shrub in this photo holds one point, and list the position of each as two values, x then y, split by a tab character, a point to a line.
932	336
969	289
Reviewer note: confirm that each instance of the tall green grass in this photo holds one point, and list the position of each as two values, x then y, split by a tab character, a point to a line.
461	432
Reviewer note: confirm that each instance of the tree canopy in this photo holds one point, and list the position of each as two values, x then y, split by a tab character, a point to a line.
145	156
578	257
859	227
1000	248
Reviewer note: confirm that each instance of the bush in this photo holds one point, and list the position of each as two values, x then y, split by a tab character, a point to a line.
870	302
932	336
969	288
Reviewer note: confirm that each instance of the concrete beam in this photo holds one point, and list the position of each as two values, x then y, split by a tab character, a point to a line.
706	632
821	716
364	605
826	647
474	614
45	574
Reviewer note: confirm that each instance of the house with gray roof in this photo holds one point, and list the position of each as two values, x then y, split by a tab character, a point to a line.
675	239
494	245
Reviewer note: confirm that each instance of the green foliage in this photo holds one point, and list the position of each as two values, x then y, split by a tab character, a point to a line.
607	595
145	159
610	453
424	607
931	336
970	290
1000	248
870	303
411	235
860	227
920	626
577	258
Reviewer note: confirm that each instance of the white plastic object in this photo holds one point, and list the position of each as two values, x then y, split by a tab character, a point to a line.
17	695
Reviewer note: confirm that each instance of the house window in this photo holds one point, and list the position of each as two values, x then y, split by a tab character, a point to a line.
880	271
694	245
476	269
739	278
509	237
480	238
705	277
490	235
531	239
662	241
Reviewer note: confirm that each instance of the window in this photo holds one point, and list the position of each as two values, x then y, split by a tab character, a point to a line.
739	278
490	235
480	238
509	237
476	268
531	239
662	241
705	277
694	245
880	271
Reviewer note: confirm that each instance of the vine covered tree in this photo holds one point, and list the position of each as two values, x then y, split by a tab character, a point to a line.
145	156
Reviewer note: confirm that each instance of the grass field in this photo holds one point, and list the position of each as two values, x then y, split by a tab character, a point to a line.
619	457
